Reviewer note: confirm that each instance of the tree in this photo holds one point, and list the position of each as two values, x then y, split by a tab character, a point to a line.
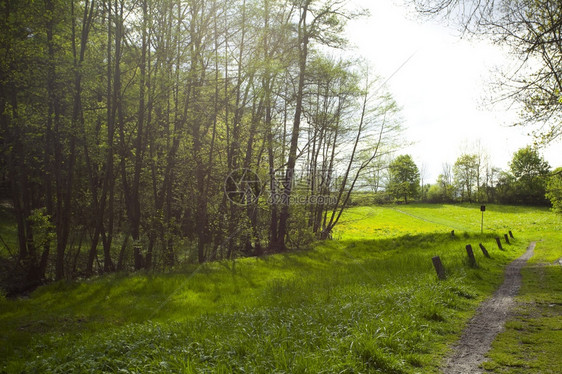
505	190
531	30
121	120
530	171
434	193
491	174
445	182
424	186
466	171
404	178
378	126
554	190
321	22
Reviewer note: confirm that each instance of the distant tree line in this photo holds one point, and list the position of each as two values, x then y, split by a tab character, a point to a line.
530	30
529	181
473	179
121	120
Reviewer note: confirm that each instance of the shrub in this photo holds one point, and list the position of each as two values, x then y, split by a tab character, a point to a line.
554	190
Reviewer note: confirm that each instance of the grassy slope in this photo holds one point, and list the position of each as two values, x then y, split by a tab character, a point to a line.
368	301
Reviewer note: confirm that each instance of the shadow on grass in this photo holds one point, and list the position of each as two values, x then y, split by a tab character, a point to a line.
330	269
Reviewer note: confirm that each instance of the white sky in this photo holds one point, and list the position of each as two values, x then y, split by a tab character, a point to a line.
441	89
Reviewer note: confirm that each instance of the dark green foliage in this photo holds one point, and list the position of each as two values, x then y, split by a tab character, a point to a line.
554	190
530	172
525	182
476	181
466	171
404	178
120	121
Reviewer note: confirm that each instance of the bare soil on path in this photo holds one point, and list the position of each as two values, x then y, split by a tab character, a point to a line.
469	352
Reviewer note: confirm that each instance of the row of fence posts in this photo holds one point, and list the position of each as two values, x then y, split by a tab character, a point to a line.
440	269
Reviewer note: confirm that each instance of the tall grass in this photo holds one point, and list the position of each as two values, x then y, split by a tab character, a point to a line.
369	301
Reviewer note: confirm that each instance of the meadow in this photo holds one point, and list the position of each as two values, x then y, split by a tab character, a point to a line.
366	301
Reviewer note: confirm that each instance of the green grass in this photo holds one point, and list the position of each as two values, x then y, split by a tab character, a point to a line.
366	302
532	340
376	222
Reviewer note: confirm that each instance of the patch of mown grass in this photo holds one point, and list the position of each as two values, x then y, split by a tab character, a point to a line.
362	303
532	340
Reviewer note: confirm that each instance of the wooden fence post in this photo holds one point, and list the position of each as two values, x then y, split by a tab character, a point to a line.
506	238
499	243
439	269
471	259
452	232
484	251
511	234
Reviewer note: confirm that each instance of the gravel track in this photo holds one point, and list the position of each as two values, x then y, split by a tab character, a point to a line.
469	352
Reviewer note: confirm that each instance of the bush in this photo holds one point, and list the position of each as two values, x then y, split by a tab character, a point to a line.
12	280
435	194
370	198
554	190
300	235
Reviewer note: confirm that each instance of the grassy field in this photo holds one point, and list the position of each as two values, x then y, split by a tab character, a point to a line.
532	340
368	301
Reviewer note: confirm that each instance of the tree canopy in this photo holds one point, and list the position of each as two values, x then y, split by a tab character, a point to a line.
554	190
124	122
404	178
531	30
466	170
530	172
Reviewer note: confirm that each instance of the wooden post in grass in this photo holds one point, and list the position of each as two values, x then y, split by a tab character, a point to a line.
499	243
511	234
506	238
452	232
484	251
471	259
482	209
439	269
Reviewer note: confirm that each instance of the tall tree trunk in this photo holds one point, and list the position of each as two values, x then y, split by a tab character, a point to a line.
303	39
64	166
77	113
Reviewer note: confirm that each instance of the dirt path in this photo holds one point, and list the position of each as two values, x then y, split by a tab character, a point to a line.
468	352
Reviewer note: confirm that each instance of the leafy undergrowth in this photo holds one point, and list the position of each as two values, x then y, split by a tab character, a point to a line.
368	302
532	340
8	232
